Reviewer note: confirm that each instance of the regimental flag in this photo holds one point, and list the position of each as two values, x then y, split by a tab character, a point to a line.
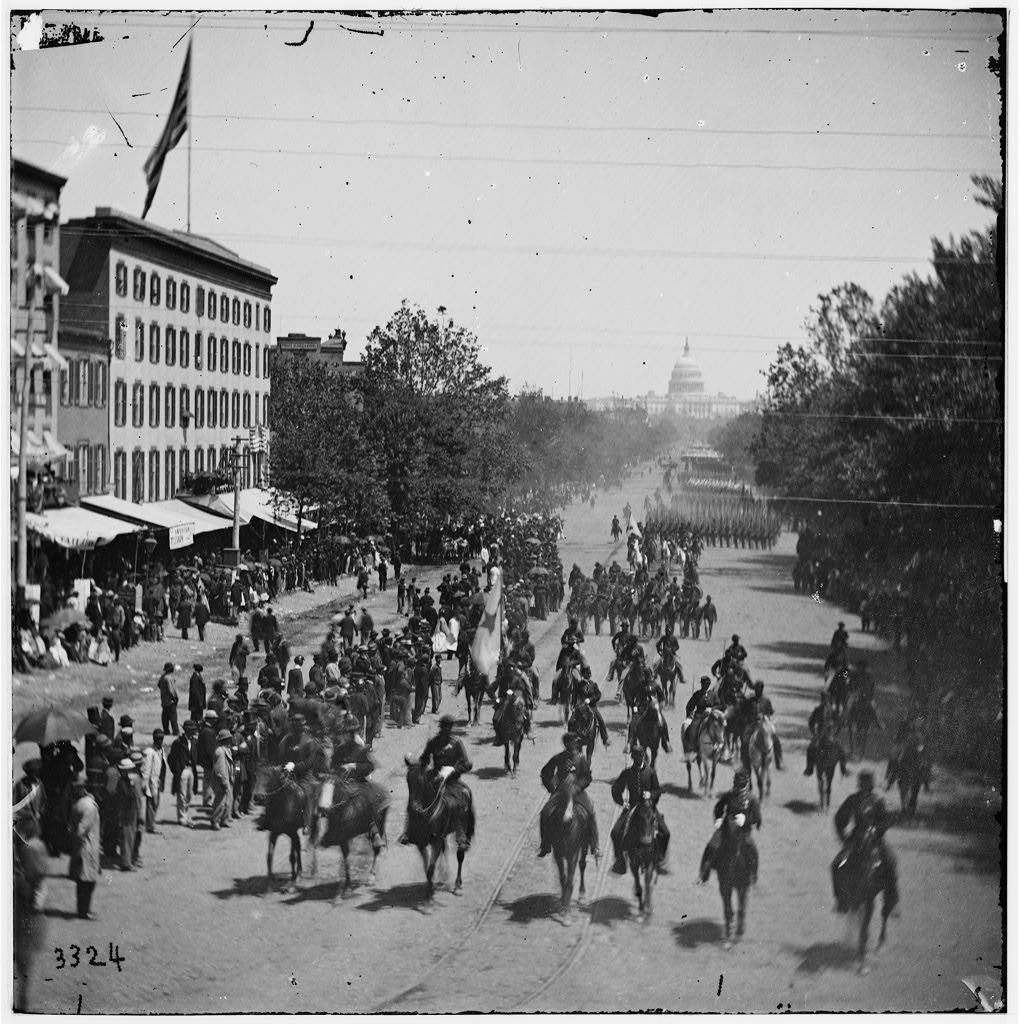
487	641
176	126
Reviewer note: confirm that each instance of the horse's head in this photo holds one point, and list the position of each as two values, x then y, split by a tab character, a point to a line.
643	826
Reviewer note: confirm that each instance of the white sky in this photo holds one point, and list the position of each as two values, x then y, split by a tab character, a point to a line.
502	166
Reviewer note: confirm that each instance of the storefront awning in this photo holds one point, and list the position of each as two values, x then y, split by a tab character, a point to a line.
48	448
205	522
148	514
79	529
46	353
253	503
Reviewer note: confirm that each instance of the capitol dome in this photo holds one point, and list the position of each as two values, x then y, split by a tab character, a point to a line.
686	376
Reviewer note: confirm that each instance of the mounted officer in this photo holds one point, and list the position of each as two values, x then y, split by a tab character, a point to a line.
638	781
703	701
308	757
587	690
864	809
822	724
758	710
570	761
741	804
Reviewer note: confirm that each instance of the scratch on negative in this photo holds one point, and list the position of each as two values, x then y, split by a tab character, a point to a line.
307	33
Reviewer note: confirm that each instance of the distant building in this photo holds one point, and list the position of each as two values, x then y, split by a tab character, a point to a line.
190	326
35	239
313	349
84	408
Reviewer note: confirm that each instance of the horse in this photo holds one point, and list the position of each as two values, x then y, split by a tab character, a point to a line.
285	803
583	723
858	875
668	670
837	661
434	813
912	771
839	688
512	726
857	717
759	750
568	830
736	728
733	869
351	809
640	847
709	741
562	690
646	729
474	685
828	755
633	688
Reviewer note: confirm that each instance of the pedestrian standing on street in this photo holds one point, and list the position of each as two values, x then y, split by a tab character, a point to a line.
365	625
125	737
383	573
295	679
183	764
435	682
153	779
347	629
106	724
185	613
421	683
202	614
196	693
222	780
362	582
168	699
206	745
401	596
84	826
239	657
129	807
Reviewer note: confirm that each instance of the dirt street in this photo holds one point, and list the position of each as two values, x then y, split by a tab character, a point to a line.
198	935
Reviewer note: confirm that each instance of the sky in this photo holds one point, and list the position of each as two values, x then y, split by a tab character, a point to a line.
584	191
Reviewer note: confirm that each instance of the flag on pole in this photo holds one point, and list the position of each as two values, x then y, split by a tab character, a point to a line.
176	126
487	641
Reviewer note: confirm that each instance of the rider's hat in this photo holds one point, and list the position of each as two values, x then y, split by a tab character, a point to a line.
865	780
735	638
705	679
571	739
636	750
741	778
447	722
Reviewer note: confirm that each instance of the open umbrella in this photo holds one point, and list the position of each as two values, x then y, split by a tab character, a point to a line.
63	618
275	563
533	541
343	539
52	725
538	570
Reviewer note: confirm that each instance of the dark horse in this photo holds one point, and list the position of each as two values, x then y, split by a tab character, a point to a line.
640	846
475	685
839	689
582	723
513	724
568	830
912	770
283	816
859	874
828	756
733	868
433	812
646	730
352	809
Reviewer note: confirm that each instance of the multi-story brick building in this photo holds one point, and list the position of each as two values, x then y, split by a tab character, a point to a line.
84	407
190	325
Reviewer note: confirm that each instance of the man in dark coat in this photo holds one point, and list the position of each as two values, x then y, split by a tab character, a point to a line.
627	791
106	723
742	805
295	678
206	744
201	618
864	809
196	693
168	699
183	764
568	762
421	683
307	755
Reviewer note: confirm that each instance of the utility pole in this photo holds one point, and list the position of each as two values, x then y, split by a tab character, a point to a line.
238	460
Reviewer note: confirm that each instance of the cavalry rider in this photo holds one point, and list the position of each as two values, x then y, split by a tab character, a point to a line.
735	653
839	639
588	691
668	646
353	763
638	781
623	643
571	638
655	697
864	809
506	686
696	707
570	761
758	709
822	724
302	750
912	732
741	804
523	654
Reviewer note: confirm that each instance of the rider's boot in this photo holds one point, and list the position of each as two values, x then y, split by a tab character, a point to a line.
809	770
778	750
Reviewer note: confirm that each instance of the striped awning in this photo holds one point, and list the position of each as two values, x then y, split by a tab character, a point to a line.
78	529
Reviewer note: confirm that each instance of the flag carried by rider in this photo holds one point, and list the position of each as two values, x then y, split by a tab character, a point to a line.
488	637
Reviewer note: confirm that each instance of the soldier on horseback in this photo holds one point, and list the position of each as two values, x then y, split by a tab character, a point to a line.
742	806
912	732
758	710
637	781
300	748
822	725
570	761
696	707
735	653
588	690
449	759
864	809
623	643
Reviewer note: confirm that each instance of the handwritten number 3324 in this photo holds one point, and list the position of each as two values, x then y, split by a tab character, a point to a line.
93	954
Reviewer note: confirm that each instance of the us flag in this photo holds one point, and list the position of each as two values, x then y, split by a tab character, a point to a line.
176	125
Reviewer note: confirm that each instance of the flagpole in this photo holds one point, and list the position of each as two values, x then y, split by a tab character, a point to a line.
190	106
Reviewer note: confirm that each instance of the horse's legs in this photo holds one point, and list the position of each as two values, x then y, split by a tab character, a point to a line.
458	884
726	891
583	868
313	847
516	754
295	858
268	861
865	915
637	890
506	755
345	866
741	916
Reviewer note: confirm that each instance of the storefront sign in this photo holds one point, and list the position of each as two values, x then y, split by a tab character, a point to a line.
182	535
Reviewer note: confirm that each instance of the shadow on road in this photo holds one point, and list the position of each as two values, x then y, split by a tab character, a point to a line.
823	955
798	649
610	909
536	907
681	791
491	772
701	931
801	806
254	885
409	896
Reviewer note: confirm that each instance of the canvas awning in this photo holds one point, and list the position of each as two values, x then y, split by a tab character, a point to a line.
79	529
253	503
45	353
205	522
146	513
48	448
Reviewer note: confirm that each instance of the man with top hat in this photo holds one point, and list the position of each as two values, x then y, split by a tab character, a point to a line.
741	805
637	782
106	723
569	762
168	699
125	737
222	780
153	779
183	765
196	693
206	752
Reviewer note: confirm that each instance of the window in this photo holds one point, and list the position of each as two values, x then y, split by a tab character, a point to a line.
171	293
224	457
139	284
254	400
199	460
211	459
265	362
224	355
153	343
266	321
236	364
185	406
213	408
211	364
224	408
171	472
100	478
171	406
154	289
265	409
199	408
139	340
247	314
121	278
82	465
224	309
120	337
185	464
198	350
153	405
247	410
138	404
258	356
137	475
65	387
120	474
81	395
99	384
185	297
185	347
212	304
199	300
171	346
236	310
154	475
235	410
119	403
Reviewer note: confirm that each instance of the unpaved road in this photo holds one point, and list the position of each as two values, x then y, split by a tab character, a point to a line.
197	935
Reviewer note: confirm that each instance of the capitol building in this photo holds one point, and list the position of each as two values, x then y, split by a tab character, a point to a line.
685	396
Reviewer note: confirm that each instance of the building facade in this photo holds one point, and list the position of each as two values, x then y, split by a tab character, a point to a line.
84	408
189	323
330	352
35	240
